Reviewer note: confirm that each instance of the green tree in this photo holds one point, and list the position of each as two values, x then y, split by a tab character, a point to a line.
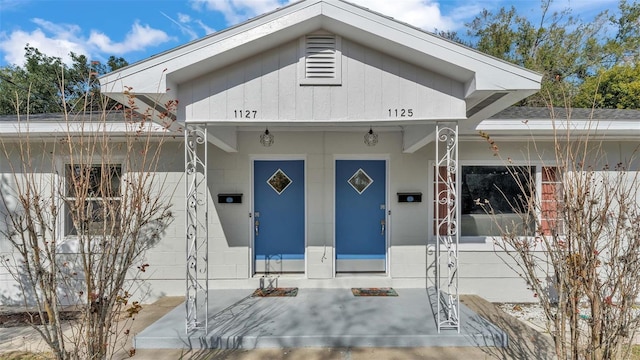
615	88
562	48
115	63
452	36
45	84
616	83
624	47
35	86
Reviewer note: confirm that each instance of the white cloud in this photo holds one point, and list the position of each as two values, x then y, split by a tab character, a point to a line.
581	6
465	13
63	31
183	24
236	11
60	39
13	44
184	18
7	5
140	37
424	14
208	30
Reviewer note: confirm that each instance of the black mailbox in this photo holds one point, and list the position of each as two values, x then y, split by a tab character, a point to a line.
229	198
409	197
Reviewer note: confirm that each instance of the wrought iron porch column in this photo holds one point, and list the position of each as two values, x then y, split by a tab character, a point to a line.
447	234
197	237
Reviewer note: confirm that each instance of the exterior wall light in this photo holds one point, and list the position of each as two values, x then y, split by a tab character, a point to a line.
371	138
266	138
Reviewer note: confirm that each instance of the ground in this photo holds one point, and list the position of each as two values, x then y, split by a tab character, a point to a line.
529	313
10	318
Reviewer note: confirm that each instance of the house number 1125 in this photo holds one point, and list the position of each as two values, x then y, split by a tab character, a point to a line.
400	112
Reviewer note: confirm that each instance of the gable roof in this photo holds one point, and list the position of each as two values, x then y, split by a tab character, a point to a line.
490	84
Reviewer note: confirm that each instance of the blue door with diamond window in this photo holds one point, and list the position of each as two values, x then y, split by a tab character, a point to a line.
360	216
278	216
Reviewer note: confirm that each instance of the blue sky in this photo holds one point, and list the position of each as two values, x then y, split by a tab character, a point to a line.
137	29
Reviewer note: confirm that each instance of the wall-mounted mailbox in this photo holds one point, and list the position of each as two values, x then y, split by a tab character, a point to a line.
229	198
409	197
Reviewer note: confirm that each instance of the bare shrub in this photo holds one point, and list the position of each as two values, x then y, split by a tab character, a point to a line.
81	207
581	259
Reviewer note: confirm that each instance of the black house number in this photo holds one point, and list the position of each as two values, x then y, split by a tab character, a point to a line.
400	112
245	114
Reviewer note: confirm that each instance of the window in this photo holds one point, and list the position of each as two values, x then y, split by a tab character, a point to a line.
92	199
506	190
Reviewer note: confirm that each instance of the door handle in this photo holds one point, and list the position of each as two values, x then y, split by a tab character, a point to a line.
382	227
257	227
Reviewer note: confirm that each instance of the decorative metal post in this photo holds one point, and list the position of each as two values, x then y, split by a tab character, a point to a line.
197	237
447	234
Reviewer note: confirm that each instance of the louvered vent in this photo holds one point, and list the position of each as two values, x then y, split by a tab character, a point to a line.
320	56
320	60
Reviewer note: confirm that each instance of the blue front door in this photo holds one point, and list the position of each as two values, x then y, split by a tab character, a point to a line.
278	218
360	215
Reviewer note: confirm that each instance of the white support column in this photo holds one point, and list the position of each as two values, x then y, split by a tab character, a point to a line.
197	237
447	190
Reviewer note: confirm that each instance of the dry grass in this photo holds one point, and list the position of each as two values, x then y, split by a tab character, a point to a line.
25	355
635	352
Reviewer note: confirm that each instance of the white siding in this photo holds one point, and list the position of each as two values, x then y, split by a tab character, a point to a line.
482	268
372	84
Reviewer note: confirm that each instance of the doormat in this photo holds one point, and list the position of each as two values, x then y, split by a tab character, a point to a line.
374	292
274	292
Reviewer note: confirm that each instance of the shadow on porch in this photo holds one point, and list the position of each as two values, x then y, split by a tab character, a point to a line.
321	318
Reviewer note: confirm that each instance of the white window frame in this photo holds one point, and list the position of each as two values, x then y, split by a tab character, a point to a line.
484	242
61	168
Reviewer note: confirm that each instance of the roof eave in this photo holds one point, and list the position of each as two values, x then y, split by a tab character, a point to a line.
160	73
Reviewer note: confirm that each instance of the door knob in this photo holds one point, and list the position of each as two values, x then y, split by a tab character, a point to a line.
257	227
382	227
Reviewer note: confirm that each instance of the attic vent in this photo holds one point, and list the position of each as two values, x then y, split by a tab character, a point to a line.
320	60
320	56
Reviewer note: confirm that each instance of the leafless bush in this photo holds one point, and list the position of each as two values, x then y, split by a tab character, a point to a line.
582	262
81	208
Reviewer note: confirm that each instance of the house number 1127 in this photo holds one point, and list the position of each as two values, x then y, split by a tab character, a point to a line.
245	114
400	112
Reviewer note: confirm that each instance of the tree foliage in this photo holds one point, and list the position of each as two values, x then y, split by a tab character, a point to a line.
44	84
569	53
554	47
624	47
615	88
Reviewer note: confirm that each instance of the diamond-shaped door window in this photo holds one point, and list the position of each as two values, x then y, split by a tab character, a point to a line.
279	181
360	181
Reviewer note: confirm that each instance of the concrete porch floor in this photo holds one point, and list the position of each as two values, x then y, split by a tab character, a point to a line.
319	318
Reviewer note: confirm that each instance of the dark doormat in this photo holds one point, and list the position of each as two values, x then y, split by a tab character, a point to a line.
374	292
273	292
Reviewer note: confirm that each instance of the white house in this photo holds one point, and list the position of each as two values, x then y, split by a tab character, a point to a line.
323	126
